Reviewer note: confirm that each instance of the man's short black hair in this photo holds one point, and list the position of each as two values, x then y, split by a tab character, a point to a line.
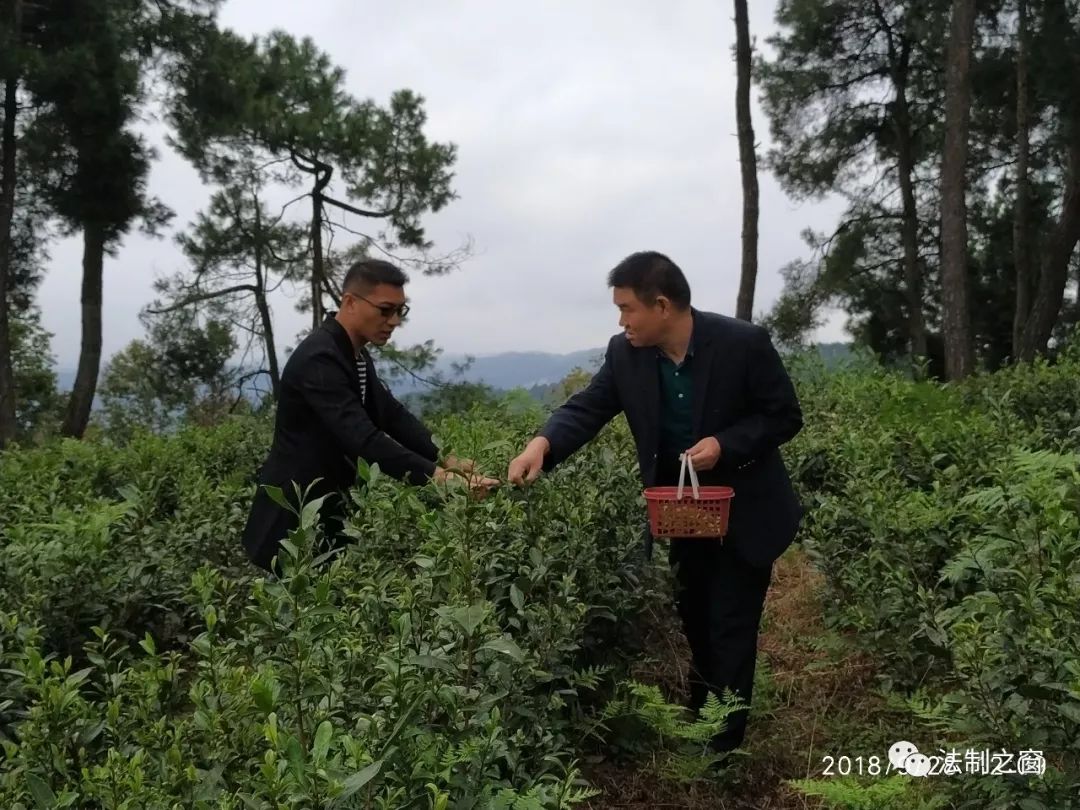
650	274
366	274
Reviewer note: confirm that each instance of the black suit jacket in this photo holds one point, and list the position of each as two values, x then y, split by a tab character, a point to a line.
322	427
742	396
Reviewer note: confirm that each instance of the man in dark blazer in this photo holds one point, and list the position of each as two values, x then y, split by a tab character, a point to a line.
332	409
714	388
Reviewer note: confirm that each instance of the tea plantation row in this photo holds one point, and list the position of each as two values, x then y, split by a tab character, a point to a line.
461	651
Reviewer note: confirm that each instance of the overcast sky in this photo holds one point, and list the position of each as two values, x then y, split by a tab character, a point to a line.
585	132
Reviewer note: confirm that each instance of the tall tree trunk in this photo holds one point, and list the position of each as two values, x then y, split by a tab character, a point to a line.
1022	207
748	161
268	338
956	315
82	395
1054	274
7	215
321	173
263	306
322	179
1059	246
317	269
909	223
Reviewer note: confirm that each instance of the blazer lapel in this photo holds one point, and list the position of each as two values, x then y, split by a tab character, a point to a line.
341	338
348	355
702	365
649	380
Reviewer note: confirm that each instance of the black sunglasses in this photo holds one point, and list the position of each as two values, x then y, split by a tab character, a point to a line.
386	310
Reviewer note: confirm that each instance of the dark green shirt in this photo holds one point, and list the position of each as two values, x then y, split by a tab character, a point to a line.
676	404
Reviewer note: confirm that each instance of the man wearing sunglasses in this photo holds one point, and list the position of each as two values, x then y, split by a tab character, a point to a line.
332	410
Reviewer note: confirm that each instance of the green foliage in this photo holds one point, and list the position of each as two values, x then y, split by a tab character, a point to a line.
37	402
853	98
1043	396
467	653
105	535
240	251
829	90
179	374
797	311
87	79
896	792
638	718
446	659
853	93
947	528
236	103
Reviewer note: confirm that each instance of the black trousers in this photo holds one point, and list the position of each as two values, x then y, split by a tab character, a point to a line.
720	598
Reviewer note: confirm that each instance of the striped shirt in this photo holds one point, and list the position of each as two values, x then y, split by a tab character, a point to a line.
361	372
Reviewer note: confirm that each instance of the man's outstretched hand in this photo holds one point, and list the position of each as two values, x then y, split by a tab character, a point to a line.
527	466
460	465
480	485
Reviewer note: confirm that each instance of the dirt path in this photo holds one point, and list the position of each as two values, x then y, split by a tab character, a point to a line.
814	697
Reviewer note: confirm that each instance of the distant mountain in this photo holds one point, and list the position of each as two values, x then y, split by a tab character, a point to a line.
530	370
533	371
540	372
509	369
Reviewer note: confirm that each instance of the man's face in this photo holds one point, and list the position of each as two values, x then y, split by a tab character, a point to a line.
374	315
644	324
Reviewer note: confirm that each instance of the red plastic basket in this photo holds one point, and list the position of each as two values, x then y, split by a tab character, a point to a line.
700	512
705	516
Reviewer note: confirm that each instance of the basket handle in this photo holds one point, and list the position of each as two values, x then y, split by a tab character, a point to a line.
686	464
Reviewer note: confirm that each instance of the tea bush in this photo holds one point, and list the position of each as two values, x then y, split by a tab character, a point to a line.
1042	396
96	534
945	520
445	660
462	653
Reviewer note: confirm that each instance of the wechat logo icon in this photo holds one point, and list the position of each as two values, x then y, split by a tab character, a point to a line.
905	757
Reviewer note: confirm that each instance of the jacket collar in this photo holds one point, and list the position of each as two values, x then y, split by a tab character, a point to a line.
698	335
340	336
701	334
702	339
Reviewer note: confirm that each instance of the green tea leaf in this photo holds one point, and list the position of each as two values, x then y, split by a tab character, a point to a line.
506	647
430	662
148	645
278	496
42	793
77	678
295	755
468	618
517	597
323	736
359	779
311	512
262	692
